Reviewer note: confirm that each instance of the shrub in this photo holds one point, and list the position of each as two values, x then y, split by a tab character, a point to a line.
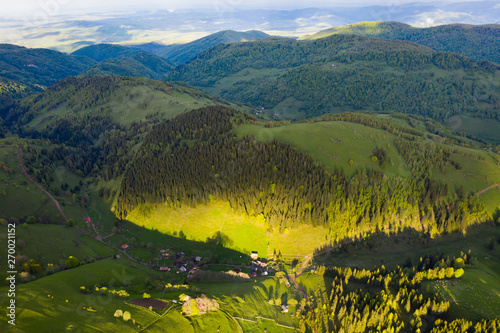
459	272
459	263
127	316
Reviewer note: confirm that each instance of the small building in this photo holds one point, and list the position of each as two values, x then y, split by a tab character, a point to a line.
183	269
198	259
88	219
125	247
164	269
254	255
254	274
284	308
264	273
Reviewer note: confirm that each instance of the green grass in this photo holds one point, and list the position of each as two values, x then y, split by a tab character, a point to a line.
334	144
19	197
54	304
259	298
52	243
486	129
132	104
476	295
239	232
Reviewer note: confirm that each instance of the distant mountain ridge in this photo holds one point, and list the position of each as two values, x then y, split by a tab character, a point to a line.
478	42
42	67
137	63
181	53
301	79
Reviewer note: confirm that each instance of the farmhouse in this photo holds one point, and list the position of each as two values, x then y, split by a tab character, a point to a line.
125	247
284	308
164	269
254	255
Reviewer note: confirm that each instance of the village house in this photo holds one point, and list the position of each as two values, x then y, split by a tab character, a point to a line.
284	308
254	255
164	269
125	247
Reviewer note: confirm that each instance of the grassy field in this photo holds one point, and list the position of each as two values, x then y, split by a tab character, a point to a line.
131	104
334	144
249	301
18	196
54	303
486	129
239	232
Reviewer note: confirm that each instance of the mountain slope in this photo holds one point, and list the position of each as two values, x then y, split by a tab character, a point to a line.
476	42
121	67
121	100
299	79
103	52
179	54
39	66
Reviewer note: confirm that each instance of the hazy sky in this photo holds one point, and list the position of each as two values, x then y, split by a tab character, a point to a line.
57	7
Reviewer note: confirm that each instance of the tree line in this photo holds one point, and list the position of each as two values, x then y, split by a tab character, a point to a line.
195	158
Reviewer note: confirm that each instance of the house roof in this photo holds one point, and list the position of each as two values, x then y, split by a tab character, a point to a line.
125	246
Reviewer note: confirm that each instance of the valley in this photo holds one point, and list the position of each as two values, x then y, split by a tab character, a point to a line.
346	181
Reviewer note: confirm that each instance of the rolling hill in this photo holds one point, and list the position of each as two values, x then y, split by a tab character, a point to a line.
107	52
181	53
478	42
123	99
121	67
41	67
300	79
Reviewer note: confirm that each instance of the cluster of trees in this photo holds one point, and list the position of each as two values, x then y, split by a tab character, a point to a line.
379	300
190	160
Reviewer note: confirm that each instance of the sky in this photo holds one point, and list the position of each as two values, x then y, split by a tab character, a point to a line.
61	7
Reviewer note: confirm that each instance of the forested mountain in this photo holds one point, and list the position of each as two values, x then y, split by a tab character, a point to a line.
42	67
103	52
122	99
478	42
181	53
298	79
121	67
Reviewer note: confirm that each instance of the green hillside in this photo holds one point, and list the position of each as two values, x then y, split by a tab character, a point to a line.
123	99
103	52
478	42
39	66
182	53
121	67
301	79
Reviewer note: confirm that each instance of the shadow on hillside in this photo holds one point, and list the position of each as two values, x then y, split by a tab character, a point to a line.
215	247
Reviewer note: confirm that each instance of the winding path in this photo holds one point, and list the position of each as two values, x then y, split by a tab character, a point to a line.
23	170
488	188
